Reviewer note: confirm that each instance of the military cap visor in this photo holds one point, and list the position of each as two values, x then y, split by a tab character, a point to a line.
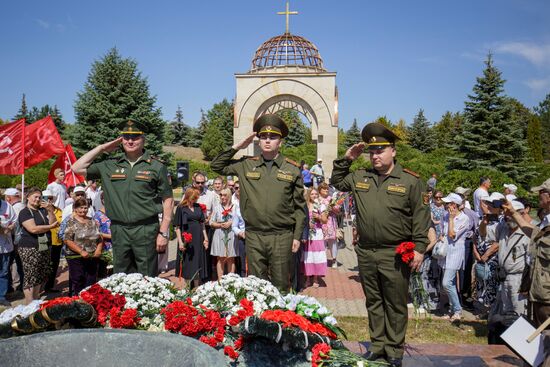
272	124
131	127
378	136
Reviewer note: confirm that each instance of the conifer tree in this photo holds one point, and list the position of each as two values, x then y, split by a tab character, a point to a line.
420	135
446	129
221	114
534	139
543	113
490	138
353	135
46	110
179	130
114	92
402	131
213	141
296	129
23	111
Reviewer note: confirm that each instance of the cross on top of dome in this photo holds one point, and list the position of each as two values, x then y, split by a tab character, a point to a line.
288	50
287	12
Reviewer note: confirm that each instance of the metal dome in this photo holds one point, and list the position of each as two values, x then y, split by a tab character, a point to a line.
287	50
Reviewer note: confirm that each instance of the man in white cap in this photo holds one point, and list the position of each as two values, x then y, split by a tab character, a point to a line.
456	228
318	173
512	258
510	189
13	197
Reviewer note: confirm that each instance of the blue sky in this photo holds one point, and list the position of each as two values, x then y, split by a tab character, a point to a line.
392	57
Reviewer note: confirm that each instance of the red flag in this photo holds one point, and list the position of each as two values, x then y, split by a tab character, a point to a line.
65	162
42	141
12	148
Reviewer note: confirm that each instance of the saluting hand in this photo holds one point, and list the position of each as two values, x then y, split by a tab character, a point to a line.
355	151
244	143
417	261
112	145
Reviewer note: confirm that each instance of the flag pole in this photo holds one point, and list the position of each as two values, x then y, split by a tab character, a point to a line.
23	185
70	165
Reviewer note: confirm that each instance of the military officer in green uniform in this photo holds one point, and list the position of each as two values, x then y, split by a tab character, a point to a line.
272	201
392	207
136	191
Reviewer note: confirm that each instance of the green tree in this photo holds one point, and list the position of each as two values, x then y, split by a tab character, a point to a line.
212	142
543	113
490	137
353	135
446	129
420	135
534	139
222	115
180	131
114	92
297	130
402	131
36	113
384	121
23	112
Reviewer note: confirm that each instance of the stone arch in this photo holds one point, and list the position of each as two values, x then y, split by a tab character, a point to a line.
312	94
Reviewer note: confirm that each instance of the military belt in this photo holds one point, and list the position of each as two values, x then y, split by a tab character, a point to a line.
150	220
270	231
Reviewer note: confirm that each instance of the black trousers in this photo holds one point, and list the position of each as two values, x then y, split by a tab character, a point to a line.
82	273
55	255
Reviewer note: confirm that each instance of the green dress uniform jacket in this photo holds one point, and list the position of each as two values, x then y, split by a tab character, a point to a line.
132	194
271	201
273	207
388	212
133	200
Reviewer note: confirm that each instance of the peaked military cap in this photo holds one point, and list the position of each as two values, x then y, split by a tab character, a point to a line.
270	123
378	136
131	127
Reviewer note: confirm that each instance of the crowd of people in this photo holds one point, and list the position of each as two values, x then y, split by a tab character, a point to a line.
486	250
270	217
48	224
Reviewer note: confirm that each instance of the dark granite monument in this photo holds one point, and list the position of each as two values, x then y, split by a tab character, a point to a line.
107	347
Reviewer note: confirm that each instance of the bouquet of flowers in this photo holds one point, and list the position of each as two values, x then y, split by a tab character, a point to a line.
323	355
225	295
336	202
112	309
416	289
187	238
311	309
146	294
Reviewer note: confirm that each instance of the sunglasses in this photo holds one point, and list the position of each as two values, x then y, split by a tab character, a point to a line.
438	197
200	182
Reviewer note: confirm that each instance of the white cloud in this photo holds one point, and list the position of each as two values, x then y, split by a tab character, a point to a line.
538	85
43	23
538	55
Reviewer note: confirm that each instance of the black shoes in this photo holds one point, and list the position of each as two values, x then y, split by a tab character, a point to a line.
370	356
395	362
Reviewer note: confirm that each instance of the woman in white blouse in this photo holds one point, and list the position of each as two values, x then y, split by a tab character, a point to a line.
456	226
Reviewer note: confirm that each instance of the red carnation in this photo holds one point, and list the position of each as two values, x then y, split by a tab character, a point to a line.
319	352
187	237
203	208
230	352
406	250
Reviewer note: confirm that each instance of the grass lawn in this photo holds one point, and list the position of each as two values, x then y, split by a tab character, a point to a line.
423	331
